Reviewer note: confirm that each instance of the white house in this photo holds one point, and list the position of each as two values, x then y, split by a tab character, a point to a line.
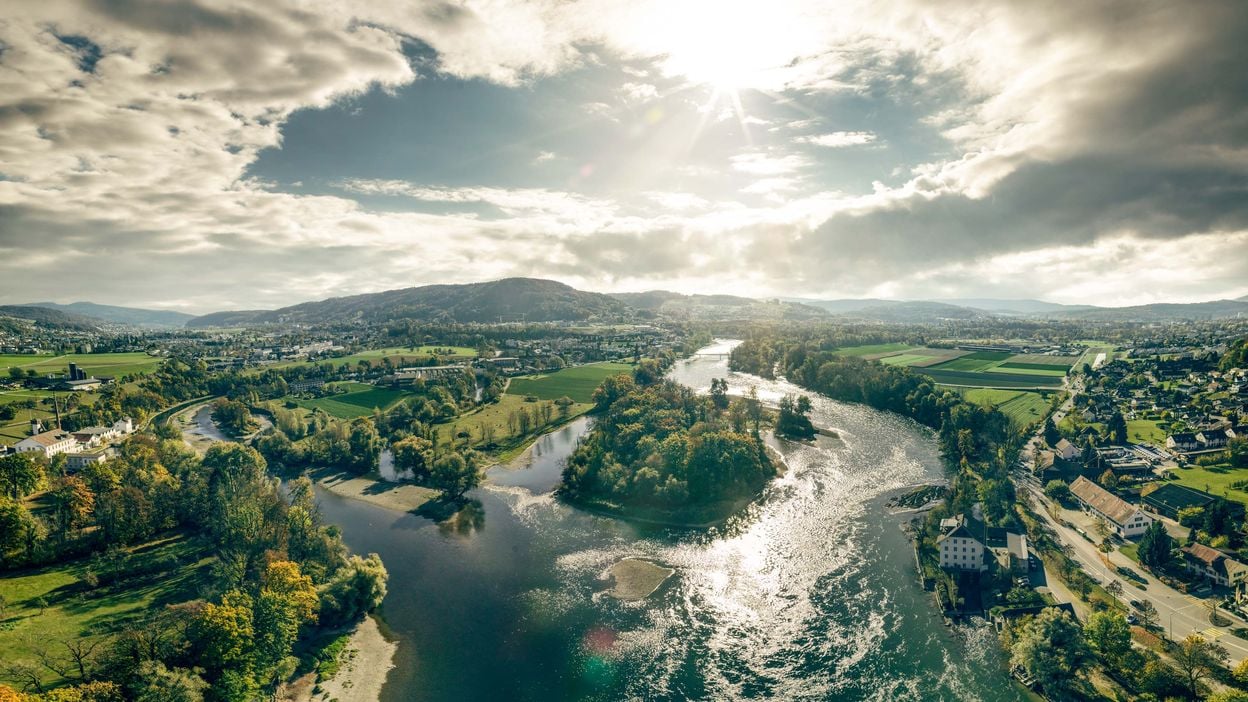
960	546
48	443
1213	565
1124	518
1066	450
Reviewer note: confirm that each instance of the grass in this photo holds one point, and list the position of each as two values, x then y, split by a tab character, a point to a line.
110	364
1216	480
1019	365
977	361
359	401
873	349
1145	430
577	382
1025	369
905	359
1022	407
74	609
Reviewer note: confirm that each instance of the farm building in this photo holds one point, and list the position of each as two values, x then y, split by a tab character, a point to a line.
1123	517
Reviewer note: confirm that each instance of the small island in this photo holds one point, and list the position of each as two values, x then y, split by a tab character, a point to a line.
662	453
633	579
793	420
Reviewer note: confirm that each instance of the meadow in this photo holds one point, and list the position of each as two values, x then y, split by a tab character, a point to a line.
358	401
1215	479
990	380
495	416
399	356
1146	430
577	382
873	349
1022	407
72	608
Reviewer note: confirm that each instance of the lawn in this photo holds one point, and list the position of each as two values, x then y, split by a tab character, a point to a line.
577	382
1216	480
109	364
74	609
873	349
1145	430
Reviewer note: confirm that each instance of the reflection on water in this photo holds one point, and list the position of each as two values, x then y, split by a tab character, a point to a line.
811	595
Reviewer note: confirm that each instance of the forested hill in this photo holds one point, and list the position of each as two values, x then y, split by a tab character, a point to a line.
718	307
119	315
19	315
510	299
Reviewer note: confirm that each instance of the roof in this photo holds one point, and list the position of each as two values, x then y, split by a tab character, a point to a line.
1183	438
1098	498
1063	444
962	527
1176	497
49	438
1214	559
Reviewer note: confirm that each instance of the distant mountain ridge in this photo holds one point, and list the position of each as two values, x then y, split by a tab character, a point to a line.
52	319
717	307
119	315
508	300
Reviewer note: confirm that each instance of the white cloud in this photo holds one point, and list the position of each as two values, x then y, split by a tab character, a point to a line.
758	163
838	140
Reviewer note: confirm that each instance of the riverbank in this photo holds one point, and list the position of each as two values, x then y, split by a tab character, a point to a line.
364	663
403	497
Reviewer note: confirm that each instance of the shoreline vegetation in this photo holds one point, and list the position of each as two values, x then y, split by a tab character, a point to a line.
360	668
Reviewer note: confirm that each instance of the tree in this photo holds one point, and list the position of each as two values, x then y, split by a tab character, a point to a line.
1108	635
156	683
792	421
1155	546
719	393
1117	428
453	475
1051	434
611	390
19	475
17	526
1108	479
415	454
1198	659
1148	614
1057	490
1050	646
71	504
287	600
564	404
355	590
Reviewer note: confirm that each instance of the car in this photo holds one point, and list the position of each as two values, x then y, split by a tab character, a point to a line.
1131	619
1136	604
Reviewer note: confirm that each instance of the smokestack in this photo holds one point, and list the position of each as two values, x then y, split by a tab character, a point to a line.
56	407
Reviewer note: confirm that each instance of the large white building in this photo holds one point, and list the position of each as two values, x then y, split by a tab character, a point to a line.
1124	518
965	543
48	443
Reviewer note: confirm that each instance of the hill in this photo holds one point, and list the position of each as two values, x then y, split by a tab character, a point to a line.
915	312
510	299
133	316
717	307
1161	312
41	316
1014	306
841	306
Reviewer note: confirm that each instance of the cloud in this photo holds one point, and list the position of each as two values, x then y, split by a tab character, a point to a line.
838	140
758	163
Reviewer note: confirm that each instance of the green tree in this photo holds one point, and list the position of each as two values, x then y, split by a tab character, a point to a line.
1117	428
1108	635
355	590
1051	434
156	683
1155	546
20	474
71	503
1050	646
415	454
453	475
17	527
1148	614
287	600
611	390
1057	490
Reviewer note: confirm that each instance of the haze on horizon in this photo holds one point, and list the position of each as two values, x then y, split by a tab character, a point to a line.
205	156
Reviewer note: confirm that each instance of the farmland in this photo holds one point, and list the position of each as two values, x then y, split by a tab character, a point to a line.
1022	407
873	349
577	382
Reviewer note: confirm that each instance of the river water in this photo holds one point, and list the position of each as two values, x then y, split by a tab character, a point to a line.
811	595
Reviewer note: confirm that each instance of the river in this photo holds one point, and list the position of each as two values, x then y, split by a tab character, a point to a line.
811	595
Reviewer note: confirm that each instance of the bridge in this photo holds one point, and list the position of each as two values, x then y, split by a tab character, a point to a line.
719	356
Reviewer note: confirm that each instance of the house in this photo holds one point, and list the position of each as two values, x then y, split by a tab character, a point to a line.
965	543
1214	438
48	443
1214	565
1182	442
960	544
83	385
1066	450
78	460
1169	498
1124	518
123	426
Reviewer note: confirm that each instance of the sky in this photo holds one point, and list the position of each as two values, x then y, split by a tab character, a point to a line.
202	156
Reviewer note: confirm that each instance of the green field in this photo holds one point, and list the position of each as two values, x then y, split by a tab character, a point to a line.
399	356
977	361
873	349
1145	430
109	364
1215	480
359	401
577	382
494	415
905	359
74	609
1026	369
1022	407
990	380
1023	365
